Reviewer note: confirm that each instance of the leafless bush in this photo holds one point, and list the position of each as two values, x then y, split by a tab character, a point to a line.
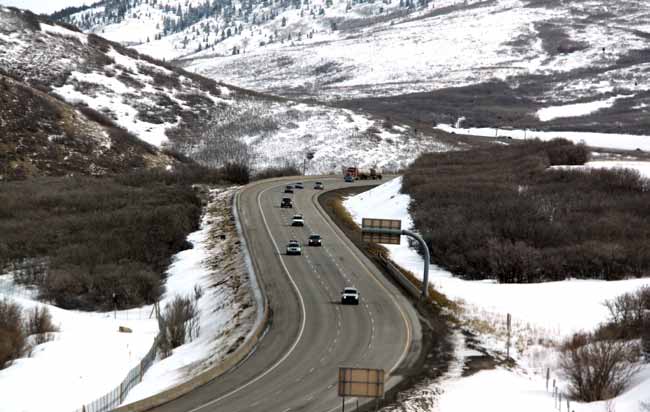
178	324
289	169
13	341
39	324
501	213
597	370
626	313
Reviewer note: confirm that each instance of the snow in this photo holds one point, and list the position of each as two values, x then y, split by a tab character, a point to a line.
62	31
88	354
495	390
574	110
561	307
40	6
642	167
89	357
606	140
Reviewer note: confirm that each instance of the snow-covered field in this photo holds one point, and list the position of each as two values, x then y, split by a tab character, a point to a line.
452	43
606	140
334	137
642	167
89	357
548	311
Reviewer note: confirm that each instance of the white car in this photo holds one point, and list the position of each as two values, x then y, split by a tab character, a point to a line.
297	220
350	296
293	248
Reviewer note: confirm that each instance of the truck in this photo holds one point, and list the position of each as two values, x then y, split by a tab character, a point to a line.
351	171
369	173
362	173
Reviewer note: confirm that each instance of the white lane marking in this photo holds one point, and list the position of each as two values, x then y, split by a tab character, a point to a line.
302	323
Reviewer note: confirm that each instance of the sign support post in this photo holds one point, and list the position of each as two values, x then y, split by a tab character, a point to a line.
388	231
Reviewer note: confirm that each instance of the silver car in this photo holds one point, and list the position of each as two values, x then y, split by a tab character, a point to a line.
293	248
350	296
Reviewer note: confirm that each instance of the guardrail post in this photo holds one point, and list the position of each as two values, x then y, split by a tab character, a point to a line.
427	259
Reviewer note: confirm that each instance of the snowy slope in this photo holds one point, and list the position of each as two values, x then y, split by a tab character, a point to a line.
341	48
138	94
170	108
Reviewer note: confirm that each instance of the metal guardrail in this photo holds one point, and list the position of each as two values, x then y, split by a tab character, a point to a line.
116	397
397	274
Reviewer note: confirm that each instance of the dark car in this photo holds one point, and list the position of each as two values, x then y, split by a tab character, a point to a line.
288	189
298	185
350	296
319	186
314	240
286	202
348	179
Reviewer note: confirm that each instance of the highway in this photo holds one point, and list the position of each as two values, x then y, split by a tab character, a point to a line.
310	335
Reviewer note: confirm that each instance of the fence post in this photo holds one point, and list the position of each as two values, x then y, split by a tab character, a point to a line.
645	336
509	323
548	376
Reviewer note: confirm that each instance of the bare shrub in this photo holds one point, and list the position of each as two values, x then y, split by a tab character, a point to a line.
502	213
39	324
626	314
13	341
597	370
96	237
289	169
179	323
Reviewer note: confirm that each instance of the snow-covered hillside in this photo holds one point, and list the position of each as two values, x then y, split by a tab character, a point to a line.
167	107
337	48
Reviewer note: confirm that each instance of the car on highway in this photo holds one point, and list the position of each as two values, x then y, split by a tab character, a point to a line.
350	296
319	186
348	179
314	240
297	220
293	248
286	202
288	189
298	185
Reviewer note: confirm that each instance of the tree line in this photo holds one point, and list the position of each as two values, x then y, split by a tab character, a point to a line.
501	213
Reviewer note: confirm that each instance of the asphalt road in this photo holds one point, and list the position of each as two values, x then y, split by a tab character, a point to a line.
295	366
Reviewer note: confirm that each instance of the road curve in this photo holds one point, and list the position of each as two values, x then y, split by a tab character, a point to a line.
294	367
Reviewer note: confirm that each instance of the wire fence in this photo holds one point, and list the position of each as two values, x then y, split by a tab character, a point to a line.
116	397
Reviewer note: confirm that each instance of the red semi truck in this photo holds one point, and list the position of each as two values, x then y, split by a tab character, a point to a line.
363	174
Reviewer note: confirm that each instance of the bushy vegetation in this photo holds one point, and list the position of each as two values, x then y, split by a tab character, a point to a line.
17	325
82	239
179	323
501	213
598	369
627	314
271	172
